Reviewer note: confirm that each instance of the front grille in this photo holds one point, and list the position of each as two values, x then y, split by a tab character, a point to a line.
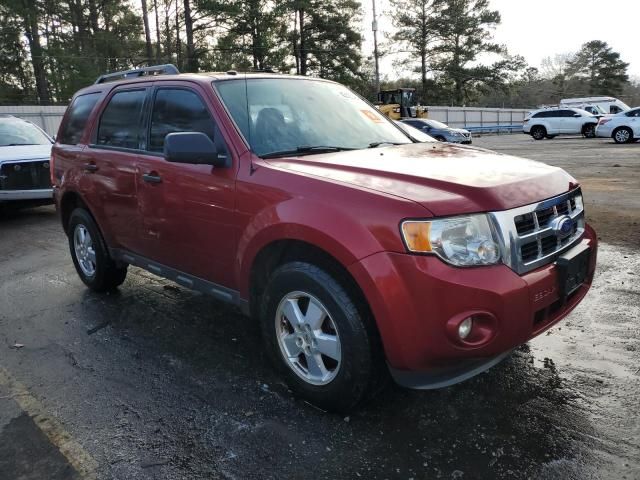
532	234
33	175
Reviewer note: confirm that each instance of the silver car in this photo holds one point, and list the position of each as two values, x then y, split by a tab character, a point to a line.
440	131
25	152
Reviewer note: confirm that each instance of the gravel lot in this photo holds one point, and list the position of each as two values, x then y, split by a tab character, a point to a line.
158	382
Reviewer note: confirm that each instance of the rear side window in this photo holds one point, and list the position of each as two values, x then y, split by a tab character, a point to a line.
79	112
614	109
546	114
178	110
120	124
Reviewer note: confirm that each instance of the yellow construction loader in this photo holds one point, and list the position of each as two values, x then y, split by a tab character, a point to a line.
399	103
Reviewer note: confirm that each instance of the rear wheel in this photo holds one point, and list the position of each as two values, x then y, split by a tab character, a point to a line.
318	338
440	138
589	130
538	132
90	256
622	135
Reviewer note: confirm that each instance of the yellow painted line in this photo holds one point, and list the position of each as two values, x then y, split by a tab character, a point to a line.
77	456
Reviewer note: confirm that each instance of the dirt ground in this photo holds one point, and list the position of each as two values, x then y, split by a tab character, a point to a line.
158	382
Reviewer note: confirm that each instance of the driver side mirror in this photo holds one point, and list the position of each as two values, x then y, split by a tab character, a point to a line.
192	147
577	115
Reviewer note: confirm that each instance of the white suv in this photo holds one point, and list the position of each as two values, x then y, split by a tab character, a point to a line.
550	122
623	127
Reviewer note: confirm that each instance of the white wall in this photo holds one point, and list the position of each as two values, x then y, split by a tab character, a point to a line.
47	118
462	117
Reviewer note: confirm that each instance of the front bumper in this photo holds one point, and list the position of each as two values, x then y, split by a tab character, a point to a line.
414	300
19	195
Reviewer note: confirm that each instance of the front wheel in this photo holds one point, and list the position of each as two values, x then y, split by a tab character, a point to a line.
89	253
589	131
318	338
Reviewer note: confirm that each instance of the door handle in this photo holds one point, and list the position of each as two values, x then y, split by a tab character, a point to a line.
152	177
90	167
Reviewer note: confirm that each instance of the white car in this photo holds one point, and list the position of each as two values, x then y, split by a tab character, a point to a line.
25	152
623	127
549	122
608	105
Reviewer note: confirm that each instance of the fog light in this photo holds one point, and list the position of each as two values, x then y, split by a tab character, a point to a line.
465	328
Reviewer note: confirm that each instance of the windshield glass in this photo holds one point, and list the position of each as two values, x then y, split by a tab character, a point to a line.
17	132
289	115
435	124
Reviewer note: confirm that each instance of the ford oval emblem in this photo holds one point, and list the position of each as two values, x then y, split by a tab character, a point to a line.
563	226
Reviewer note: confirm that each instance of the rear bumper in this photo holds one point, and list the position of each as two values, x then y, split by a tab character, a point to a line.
604	131
418	301
36	194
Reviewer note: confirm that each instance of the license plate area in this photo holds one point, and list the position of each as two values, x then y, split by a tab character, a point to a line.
573	268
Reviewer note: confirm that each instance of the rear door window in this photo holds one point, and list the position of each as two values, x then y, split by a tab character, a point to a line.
178	110
120	124
77	117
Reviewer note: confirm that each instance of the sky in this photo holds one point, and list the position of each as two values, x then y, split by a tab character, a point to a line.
544	28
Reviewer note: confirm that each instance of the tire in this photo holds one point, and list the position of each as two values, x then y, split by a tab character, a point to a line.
440	138
538	132
331	357
589	130
90	256
622	135
550	137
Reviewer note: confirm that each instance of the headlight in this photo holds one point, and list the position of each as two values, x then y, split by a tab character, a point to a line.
461	241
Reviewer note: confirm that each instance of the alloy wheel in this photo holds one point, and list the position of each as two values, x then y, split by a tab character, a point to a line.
622	136
308	338
85	251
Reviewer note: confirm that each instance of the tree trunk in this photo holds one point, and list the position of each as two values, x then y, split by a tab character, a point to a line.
303	51
168	30
147	31
178	41
192	61
155	6
37	60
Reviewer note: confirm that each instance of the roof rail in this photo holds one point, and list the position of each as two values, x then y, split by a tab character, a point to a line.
167	69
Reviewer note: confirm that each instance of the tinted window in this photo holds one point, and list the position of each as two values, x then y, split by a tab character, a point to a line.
633	113
79	112
120	122
566	113
177	110
614	109
545	114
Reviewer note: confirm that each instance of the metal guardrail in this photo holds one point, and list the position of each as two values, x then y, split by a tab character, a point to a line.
495	129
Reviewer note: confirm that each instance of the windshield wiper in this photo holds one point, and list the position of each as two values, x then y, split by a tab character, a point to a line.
377	144
306	150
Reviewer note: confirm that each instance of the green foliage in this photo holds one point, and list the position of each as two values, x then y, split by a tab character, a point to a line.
601	67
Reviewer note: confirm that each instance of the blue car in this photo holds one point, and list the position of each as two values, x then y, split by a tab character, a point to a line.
439	130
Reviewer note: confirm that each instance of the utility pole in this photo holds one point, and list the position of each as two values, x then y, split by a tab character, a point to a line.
374	27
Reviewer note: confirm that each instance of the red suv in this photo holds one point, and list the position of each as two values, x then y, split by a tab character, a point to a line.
359	250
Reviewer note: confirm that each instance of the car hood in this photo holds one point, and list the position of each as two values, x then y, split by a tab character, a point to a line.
24	152
459	130
446	179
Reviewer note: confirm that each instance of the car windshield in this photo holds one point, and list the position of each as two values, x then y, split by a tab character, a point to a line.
17	132
435	124
280	116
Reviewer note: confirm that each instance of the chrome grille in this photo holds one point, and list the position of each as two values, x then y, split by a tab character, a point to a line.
531	235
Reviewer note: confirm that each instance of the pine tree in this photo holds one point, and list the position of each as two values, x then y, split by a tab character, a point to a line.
600	67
